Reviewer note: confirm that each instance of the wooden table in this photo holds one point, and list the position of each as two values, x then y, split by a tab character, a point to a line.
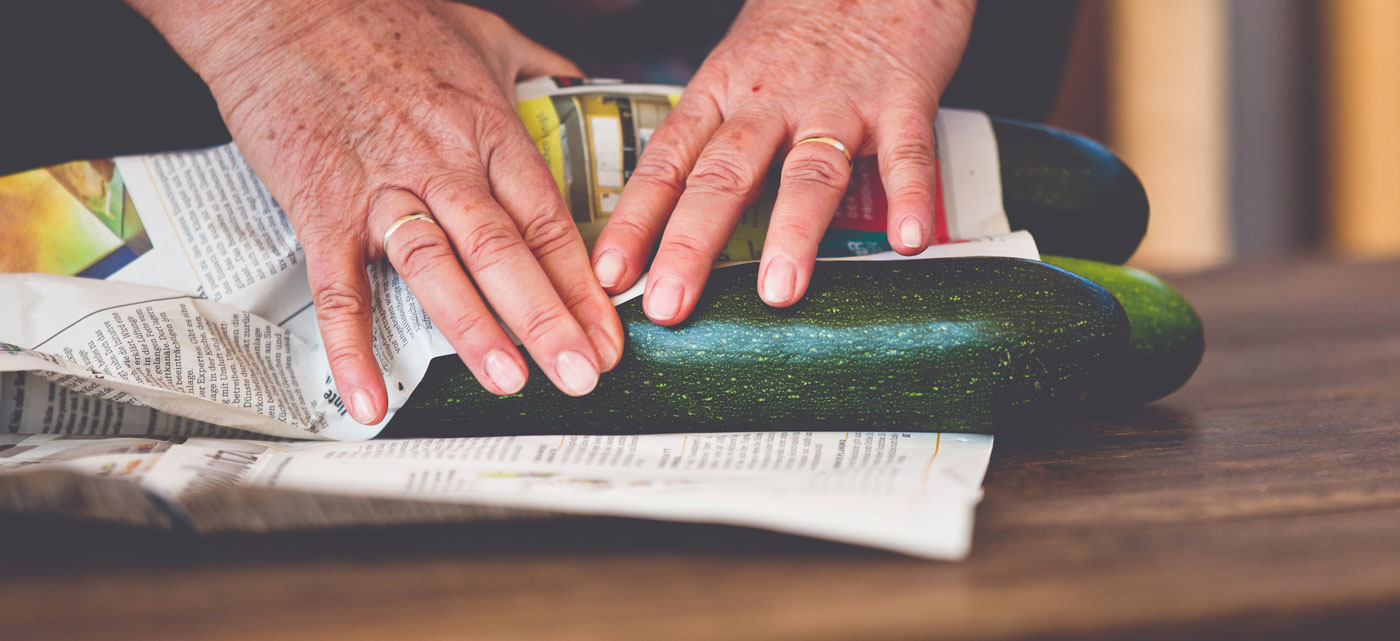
1261	500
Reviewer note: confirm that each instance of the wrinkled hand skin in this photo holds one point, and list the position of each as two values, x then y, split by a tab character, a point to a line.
356	113
866	73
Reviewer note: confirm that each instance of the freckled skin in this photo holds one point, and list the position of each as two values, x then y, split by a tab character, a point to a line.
957	344
356	114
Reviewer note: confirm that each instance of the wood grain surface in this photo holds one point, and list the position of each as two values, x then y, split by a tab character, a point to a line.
1262	500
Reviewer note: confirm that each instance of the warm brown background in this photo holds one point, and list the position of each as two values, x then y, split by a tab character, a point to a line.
1260	127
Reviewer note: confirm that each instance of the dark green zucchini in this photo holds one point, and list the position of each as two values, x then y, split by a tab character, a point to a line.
1074	195
1168	339
952	344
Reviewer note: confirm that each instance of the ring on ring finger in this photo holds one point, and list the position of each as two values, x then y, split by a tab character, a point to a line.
828	140
402	220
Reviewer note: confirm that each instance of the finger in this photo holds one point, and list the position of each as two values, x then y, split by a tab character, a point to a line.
621	252
812	183
340	291
539	60
487	241
908	169
726	178
420	253
523	185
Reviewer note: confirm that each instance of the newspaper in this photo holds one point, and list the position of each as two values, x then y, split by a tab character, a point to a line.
197	335
911	493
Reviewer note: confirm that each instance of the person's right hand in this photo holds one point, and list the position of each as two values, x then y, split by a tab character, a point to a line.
355	114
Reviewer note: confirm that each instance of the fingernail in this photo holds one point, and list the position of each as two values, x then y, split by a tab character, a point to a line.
504	371
576	373
609	268
664	302
602	343
779	281
362	407
911	233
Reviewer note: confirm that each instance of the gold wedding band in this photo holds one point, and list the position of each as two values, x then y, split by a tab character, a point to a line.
400	223
841	147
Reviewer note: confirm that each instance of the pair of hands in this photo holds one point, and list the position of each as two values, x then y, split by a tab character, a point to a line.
355	113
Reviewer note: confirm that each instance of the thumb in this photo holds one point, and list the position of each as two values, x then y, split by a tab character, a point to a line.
538	60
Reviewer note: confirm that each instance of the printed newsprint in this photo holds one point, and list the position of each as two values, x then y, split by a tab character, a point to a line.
184	368
912	493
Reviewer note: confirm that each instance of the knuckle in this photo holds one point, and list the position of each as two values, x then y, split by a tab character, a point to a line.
343	355
920	190
661	167
450	192
817	171
338	312
320	175
912	166
466	325
337	305
489	19
314	223
913	155
495	123
724	172
540	322
630	227
487	245
791	231
577	295
314	230
685	247
549	233
419	255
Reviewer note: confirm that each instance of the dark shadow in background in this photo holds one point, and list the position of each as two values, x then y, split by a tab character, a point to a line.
91	78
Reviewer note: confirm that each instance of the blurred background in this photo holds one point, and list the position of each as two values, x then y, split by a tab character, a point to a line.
1259	127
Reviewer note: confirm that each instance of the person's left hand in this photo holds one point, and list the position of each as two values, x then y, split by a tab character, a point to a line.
867	74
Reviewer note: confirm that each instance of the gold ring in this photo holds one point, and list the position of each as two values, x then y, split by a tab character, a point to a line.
400	223
830	141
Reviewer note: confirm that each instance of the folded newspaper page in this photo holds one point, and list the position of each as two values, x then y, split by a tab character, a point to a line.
909	493
192	326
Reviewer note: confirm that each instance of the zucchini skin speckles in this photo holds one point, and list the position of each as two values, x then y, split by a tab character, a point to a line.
962	344
1168	339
